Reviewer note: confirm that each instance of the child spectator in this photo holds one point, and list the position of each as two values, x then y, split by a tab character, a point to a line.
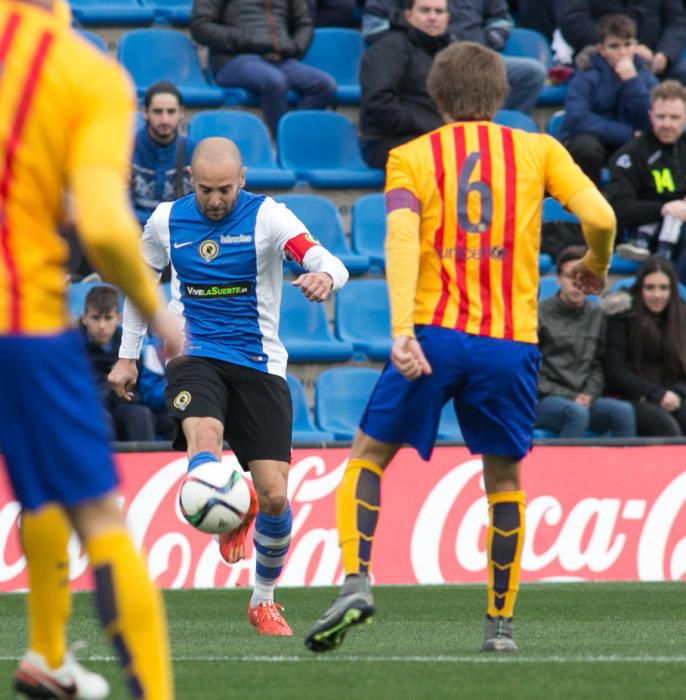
100	327
609	101
571	333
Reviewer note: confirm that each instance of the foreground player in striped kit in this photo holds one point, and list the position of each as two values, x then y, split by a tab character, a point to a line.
226	248
65	123
463	207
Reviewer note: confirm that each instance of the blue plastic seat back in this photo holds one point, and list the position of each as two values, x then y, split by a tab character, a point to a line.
369	227
317	139
245	129
554	211
515	120
341	395
337	51
301	318
173	11
94	39
547	287
363	313
448	427
112	12
554	125
301	412
528	43
166	54
321	218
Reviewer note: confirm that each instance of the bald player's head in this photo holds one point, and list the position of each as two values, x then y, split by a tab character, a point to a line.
217	175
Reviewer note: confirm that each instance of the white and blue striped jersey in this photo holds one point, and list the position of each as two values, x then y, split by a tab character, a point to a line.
227	277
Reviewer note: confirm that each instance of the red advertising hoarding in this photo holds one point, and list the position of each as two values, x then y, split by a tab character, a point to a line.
601	513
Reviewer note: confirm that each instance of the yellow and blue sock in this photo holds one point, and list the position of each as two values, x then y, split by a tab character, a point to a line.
358	499
272	538
132	614
45	535
505	542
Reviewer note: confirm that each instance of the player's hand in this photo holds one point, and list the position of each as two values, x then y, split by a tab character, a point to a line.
670	401
316	286
123	378
167	327
408	358
585	280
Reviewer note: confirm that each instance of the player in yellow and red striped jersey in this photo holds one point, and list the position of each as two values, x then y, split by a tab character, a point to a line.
65	125
463	210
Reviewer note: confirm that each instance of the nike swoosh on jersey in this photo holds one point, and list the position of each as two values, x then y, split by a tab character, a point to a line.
182	245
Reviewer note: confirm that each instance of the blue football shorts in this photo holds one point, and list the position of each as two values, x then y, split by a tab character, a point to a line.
52	425
492	384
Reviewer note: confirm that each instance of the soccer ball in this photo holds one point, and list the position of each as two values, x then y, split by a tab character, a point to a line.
214	497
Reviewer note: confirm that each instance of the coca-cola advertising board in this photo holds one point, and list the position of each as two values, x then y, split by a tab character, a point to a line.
601	513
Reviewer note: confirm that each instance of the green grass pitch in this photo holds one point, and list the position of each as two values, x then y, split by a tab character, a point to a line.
576	640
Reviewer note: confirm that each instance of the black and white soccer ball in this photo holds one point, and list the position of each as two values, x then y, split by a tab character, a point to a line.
215	497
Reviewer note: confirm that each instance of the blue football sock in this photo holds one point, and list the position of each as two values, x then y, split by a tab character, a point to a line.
272	538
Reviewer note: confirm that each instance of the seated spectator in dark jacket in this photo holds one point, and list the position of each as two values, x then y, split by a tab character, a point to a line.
661	29
257	46
539	15
609	101
395	106
488	22
100	327
645	350
571	339
161	156
332	13
647	186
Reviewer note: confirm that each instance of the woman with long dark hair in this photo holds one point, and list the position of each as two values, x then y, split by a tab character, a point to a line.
645	354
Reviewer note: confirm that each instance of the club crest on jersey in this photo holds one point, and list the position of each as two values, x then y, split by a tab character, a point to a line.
208	250
182	400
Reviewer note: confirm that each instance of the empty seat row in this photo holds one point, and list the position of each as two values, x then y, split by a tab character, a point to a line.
341	395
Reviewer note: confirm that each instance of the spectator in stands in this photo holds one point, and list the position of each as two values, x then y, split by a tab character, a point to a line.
395	106
610	100
645	354
161	156
647	186
571	339
488	22
332	13
540	15
256	46
661	29
100	327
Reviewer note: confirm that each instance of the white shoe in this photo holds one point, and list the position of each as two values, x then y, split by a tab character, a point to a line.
632	250
71	681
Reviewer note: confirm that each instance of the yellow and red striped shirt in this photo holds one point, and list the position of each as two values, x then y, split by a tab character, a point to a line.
475	190
66	109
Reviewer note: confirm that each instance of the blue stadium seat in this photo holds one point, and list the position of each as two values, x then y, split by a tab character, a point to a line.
619	266
449	428
176	12
369	228
94	39
363	318
529	43
516	120
111	12
547	287
147	55
340	397
303	427
337	51
545	263
305	332
321	218
554	211
250	134
322	147
554	126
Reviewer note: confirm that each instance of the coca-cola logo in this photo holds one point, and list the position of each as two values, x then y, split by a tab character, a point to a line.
431	530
